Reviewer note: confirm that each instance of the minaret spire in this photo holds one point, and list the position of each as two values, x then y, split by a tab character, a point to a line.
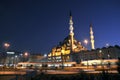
92	37
71	28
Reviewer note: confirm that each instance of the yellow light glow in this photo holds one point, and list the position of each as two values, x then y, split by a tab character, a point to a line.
86	41
6	45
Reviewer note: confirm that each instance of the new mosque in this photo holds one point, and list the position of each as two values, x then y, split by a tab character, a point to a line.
69	46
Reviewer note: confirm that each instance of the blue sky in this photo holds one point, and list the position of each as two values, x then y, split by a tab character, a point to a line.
39	25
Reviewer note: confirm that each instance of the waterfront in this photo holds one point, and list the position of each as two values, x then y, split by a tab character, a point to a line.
30	74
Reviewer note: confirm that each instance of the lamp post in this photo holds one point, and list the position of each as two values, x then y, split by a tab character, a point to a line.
26	54
6	46
86	42
45	56
44	64
62	51
101	57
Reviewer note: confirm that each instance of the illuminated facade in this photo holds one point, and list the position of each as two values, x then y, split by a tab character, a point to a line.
10	58
64	50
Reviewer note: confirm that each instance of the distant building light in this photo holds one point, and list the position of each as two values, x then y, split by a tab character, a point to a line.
10	52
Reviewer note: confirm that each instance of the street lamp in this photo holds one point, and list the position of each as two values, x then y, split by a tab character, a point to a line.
6	45
44	60
86	42
101	57
45	56
107	45
26	54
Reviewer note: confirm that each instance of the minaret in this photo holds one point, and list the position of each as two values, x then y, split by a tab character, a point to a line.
71	28
92	37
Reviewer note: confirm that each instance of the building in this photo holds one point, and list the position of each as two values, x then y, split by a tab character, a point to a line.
111	52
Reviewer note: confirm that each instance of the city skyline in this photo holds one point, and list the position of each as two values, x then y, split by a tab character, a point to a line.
38	26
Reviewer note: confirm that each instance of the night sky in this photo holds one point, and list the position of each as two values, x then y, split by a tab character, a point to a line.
39	25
